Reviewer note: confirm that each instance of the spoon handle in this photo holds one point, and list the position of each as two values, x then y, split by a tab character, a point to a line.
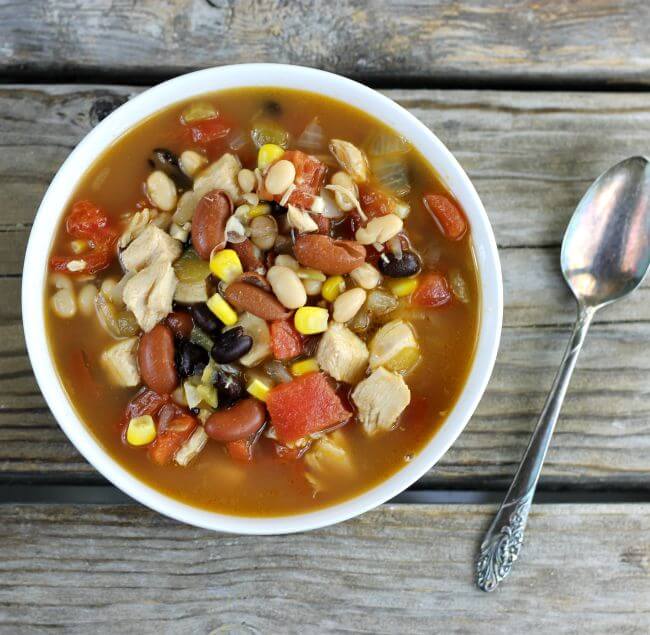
504	538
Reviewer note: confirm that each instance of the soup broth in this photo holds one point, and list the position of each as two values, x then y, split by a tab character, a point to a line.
262	476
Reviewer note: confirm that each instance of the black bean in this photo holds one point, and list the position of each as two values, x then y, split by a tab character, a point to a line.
393	267
195	411
167	161
276	208
190	358
205	319
231	345
272	108
230	387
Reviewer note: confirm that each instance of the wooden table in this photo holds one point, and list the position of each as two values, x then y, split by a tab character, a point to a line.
535	100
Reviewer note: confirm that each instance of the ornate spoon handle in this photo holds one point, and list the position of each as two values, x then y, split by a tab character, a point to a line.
504	538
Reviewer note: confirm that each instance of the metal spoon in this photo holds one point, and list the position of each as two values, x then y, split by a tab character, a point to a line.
605	254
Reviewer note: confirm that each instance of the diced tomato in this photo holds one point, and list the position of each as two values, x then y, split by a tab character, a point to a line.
450	219
433	290
209	130
375	203
145	402
286	342
306	405
89	222
173	429
241	450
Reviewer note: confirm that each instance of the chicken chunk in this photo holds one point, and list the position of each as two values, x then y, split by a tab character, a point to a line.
380	400
342	354
152	244
192	447
329	455
149	293
390	343
220	175
121	363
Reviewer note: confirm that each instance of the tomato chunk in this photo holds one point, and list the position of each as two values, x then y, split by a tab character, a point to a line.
209	130
286	342
450	219
433	290
241	450
145	402
375	203
306	405
174	428
89	222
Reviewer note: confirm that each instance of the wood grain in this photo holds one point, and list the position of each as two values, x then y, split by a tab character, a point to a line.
531	156
584	41
398	569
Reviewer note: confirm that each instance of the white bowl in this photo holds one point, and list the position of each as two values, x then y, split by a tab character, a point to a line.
62	188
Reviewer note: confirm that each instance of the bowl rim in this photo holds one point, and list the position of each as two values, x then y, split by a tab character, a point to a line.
239	76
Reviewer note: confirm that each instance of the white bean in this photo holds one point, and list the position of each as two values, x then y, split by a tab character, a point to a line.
347	305
312	287
246	179
280	176
161	191
379	230
64	304
264	231
284	260
185	209
366	276
61	281
86	299
107	286
287	286
191	162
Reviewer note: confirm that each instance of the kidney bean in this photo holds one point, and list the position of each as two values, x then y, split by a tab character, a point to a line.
407	265
231	345
333	257
249	297
156	359
180	323
209	223
251	277
240	421
248	255
230	387
205	319
190	358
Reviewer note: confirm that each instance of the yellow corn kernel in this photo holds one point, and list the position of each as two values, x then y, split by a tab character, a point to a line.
222	310
333	287
208	394
304	366
258	389
309	320
261	209
225	264
268	153
403	287
141	430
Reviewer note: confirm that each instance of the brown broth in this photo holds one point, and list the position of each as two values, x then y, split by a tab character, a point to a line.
267	486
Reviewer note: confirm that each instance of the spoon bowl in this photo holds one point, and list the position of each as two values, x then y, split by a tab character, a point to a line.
605	251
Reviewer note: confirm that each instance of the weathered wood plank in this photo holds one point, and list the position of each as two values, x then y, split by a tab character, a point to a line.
603	439
438	40
531	155
396	569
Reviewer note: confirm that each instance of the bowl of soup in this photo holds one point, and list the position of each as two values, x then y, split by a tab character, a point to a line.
262	298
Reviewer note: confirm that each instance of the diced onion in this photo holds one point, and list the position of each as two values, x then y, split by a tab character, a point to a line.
277	372
382	143
395	245
392	173
235	231
312	137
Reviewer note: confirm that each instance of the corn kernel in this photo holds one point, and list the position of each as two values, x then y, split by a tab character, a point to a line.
208	394
141	430
222	310
258	389
402	288
333	287
225	264
268	153
304	366
262	209
311	319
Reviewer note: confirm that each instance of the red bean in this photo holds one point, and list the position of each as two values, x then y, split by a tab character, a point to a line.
241	421
156	359
209	223
333	257
180	323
